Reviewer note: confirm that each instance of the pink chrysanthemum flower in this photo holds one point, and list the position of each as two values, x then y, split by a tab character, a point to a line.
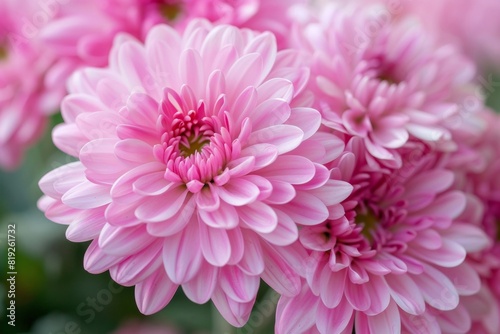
471	25
196	160
394	262
476	166
384	81
79	40
27	94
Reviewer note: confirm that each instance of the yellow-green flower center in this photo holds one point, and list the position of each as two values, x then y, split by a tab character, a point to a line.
192	144
369	222
170	11
3	52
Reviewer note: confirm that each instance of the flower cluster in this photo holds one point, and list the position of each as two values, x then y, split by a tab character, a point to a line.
341	152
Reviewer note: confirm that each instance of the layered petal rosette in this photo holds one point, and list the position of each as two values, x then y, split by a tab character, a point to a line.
384	80
395	261
196	160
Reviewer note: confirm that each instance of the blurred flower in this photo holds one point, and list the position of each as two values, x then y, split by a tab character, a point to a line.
395	262
472	25
197	158
383	80
476	166
28	94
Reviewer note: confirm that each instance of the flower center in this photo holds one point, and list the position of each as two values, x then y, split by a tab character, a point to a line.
369	221
170	10
192	133
3	51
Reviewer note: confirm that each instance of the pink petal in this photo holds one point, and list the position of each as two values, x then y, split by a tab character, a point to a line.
164	206
332	287
235	313
134	150
437	289
465	278
334	320
252	262
86	226
215	245
457	320
118	240
406	293
295	315
450	254
182	261
237	285
282	193
87	195
118	214
333	192
284	137
306	209
275	88
285	233
175	224
263	155
153	184
246	71
307	119
238	192
138	267
386	322
58	181
208	200
278	274
96	261
270	112
357	296
259	216
200	288
290	168
154	293
226	217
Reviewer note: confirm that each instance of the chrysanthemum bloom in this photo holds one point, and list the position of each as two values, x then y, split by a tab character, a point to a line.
260	15
82	33
196	160
477	167
395	261
384	81
471	25
27	94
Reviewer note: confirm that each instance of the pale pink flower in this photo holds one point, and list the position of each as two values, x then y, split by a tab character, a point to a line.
383	80
472	25
196	161
82	32
261	15
27	93
391	258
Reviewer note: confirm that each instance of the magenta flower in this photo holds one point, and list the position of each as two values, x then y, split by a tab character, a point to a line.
384	81
196	160
26	96
394	262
